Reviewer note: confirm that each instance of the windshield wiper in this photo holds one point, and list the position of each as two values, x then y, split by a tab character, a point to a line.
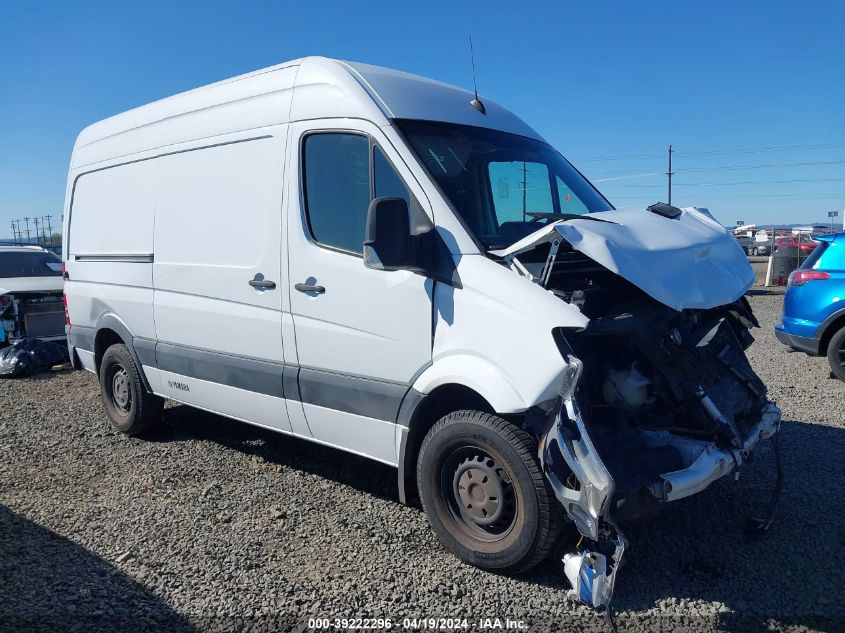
544	215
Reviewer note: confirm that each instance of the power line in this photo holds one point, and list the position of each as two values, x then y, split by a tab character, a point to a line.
745	150
731	184
749	195
755	150
812	163
638	175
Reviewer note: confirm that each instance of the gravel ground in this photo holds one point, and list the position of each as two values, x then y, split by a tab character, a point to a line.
214	524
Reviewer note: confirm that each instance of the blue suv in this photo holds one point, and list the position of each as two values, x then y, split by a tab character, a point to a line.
814	306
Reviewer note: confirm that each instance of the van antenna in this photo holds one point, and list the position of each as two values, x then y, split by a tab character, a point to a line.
475	103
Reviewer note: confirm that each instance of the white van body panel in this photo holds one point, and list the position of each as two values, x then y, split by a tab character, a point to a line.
356	433
483	342
130	305
246	406
247	102
218	225
101	231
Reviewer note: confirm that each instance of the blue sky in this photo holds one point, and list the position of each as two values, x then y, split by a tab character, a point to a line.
751	95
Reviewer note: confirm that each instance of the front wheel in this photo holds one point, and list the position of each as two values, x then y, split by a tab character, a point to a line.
484	493
129	406
836	354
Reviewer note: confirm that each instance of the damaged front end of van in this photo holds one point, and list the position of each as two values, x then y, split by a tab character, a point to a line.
658	399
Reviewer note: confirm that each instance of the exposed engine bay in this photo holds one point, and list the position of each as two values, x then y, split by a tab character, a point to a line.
658	386
656	404
32	314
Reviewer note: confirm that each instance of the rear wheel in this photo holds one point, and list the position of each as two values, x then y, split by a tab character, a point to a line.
130	408
836	354
483	491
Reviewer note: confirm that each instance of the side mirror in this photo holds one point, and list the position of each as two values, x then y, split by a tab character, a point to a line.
388	244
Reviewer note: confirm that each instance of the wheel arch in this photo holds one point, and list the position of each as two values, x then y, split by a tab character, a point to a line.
109	331
831	326
419	412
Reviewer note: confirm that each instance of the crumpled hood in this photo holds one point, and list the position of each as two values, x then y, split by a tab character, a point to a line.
690	261
30	284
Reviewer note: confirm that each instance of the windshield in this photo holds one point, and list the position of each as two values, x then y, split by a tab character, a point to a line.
29	264
504	186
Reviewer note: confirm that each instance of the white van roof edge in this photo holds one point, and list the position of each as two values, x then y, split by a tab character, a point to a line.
118	123
396	94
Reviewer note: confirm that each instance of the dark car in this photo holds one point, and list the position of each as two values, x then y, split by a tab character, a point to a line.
752	246
30	294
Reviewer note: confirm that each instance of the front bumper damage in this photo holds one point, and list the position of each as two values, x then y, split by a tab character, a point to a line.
585	488
710	462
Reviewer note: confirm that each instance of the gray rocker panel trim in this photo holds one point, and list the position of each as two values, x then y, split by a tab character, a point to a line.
81	337
377	399
145	348
351	394
235	371
366	397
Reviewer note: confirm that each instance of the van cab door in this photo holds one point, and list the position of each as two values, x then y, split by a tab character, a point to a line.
362	335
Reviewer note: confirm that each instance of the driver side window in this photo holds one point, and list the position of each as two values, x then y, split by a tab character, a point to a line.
343	172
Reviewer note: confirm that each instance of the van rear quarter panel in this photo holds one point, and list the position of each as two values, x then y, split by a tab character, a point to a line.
110	246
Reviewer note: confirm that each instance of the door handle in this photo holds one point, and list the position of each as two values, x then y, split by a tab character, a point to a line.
310	288
262	284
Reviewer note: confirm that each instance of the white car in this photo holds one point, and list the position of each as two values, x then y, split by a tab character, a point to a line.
30	294
401	269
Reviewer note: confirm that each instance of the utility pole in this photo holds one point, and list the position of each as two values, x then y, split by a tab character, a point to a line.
28	238
524	171
50	229
669	173
37	234
14	234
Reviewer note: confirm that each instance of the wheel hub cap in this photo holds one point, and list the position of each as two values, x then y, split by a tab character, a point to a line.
120	390
479	486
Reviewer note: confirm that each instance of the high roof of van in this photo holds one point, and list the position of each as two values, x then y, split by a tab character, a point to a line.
324	88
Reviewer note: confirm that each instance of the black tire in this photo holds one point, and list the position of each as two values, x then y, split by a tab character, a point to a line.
484	493
130	407
836	354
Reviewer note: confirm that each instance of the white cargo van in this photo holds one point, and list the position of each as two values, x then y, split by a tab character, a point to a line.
388	265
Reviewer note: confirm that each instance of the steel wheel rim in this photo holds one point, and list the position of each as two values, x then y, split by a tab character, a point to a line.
479	493
121	390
